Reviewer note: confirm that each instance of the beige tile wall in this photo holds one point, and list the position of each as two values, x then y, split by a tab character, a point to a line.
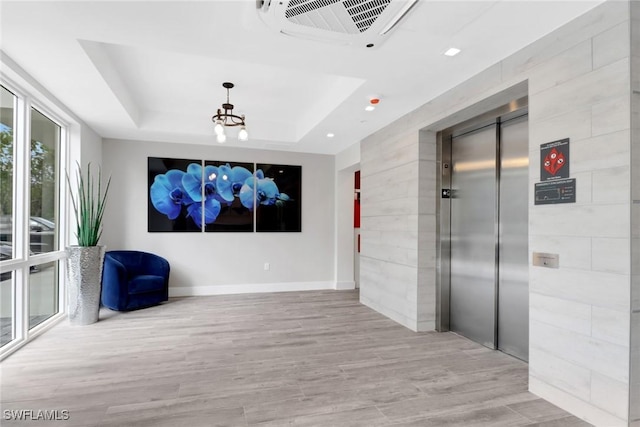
389	227
635	214
579	83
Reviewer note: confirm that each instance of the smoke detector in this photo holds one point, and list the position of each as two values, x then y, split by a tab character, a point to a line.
348	22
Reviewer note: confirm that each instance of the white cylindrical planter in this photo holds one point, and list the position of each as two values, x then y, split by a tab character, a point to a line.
84	280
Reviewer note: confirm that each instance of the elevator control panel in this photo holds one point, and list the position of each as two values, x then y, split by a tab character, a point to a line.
541	259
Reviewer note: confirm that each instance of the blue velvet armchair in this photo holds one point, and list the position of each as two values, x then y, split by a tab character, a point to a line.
134	279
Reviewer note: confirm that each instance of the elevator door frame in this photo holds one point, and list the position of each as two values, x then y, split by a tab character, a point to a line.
512	110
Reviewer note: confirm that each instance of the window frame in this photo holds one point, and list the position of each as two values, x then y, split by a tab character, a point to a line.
22	260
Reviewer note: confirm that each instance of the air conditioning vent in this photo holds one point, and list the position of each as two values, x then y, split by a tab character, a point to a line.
298	7
343	21
365	13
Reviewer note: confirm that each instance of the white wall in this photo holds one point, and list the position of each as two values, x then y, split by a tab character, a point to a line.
579	84
349	158
85	147
91	147
224	262
347	163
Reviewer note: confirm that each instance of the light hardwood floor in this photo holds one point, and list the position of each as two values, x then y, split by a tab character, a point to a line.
300	358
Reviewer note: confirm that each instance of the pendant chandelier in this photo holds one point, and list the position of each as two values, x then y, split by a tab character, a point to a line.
225	118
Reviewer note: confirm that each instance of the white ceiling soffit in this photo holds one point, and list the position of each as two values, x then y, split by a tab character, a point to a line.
140	70
150	97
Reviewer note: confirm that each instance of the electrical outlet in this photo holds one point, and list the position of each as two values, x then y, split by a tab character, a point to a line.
266	266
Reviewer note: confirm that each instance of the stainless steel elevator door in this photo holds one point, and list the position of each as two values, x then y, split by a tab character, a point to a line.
473	235
513	265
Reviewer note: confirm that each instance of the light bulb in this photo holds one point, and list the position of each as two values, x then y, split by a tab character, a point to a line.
219	129
221	138
243	135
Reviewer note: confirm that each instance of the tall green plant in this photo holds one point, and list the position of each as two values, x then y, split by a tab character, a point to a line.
88	205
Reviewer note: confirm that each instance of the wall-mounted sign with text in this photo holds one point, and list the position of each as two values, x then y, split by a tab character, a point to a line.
556	186
556	191
554	160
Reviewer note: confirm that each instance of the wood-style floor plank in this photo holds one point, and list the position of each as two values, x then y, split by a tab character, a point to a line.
283	359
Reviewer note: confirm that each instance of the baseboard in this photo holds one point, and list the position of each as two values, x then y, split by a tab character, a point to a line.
573	405
251	288
345	286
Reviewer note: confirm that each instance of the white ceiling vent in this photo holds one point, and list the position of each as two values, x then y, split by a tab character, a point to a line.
348	22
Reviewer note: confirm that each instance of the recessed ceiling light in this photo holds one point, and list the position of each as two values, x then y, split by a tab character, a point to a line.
369	108
452	51
330	135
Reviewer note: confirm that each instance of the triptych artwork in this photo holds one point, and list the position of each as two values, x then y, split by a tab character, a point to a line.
189	195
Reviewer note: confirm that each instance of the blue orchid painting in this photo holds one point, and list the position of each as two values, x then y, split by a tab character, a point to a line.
263	191
171	203
278	192
224	181
191	195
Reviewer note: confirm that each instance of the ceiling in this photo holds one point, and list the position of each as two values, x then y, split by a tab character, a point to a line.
142	70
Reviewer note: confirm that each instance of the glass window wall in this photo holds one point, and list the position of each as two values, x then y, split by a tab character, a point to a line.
30	182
